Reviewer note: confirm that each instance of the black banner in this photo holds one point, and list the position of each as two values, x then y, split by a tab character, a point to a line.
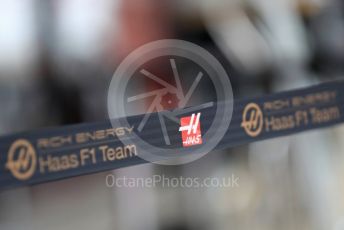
57	153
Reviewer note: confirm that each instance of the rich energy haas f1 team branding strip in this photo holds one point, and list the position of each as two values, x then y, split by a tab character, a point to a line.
64	152
52	154
294	111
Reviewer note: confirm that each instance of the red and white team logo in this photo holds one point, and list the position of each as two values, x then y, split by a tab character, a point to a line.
191	130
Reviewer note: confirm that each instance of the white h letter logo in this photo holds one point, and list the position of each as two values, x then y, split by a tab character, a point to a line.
192	125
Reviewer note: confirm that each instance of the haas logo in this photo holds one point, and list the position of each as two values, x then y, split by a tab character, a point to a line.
21	159
252	120
191	130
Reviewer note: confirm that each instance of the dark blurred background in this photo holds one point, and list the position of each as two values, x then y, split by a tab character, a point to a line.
57	58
